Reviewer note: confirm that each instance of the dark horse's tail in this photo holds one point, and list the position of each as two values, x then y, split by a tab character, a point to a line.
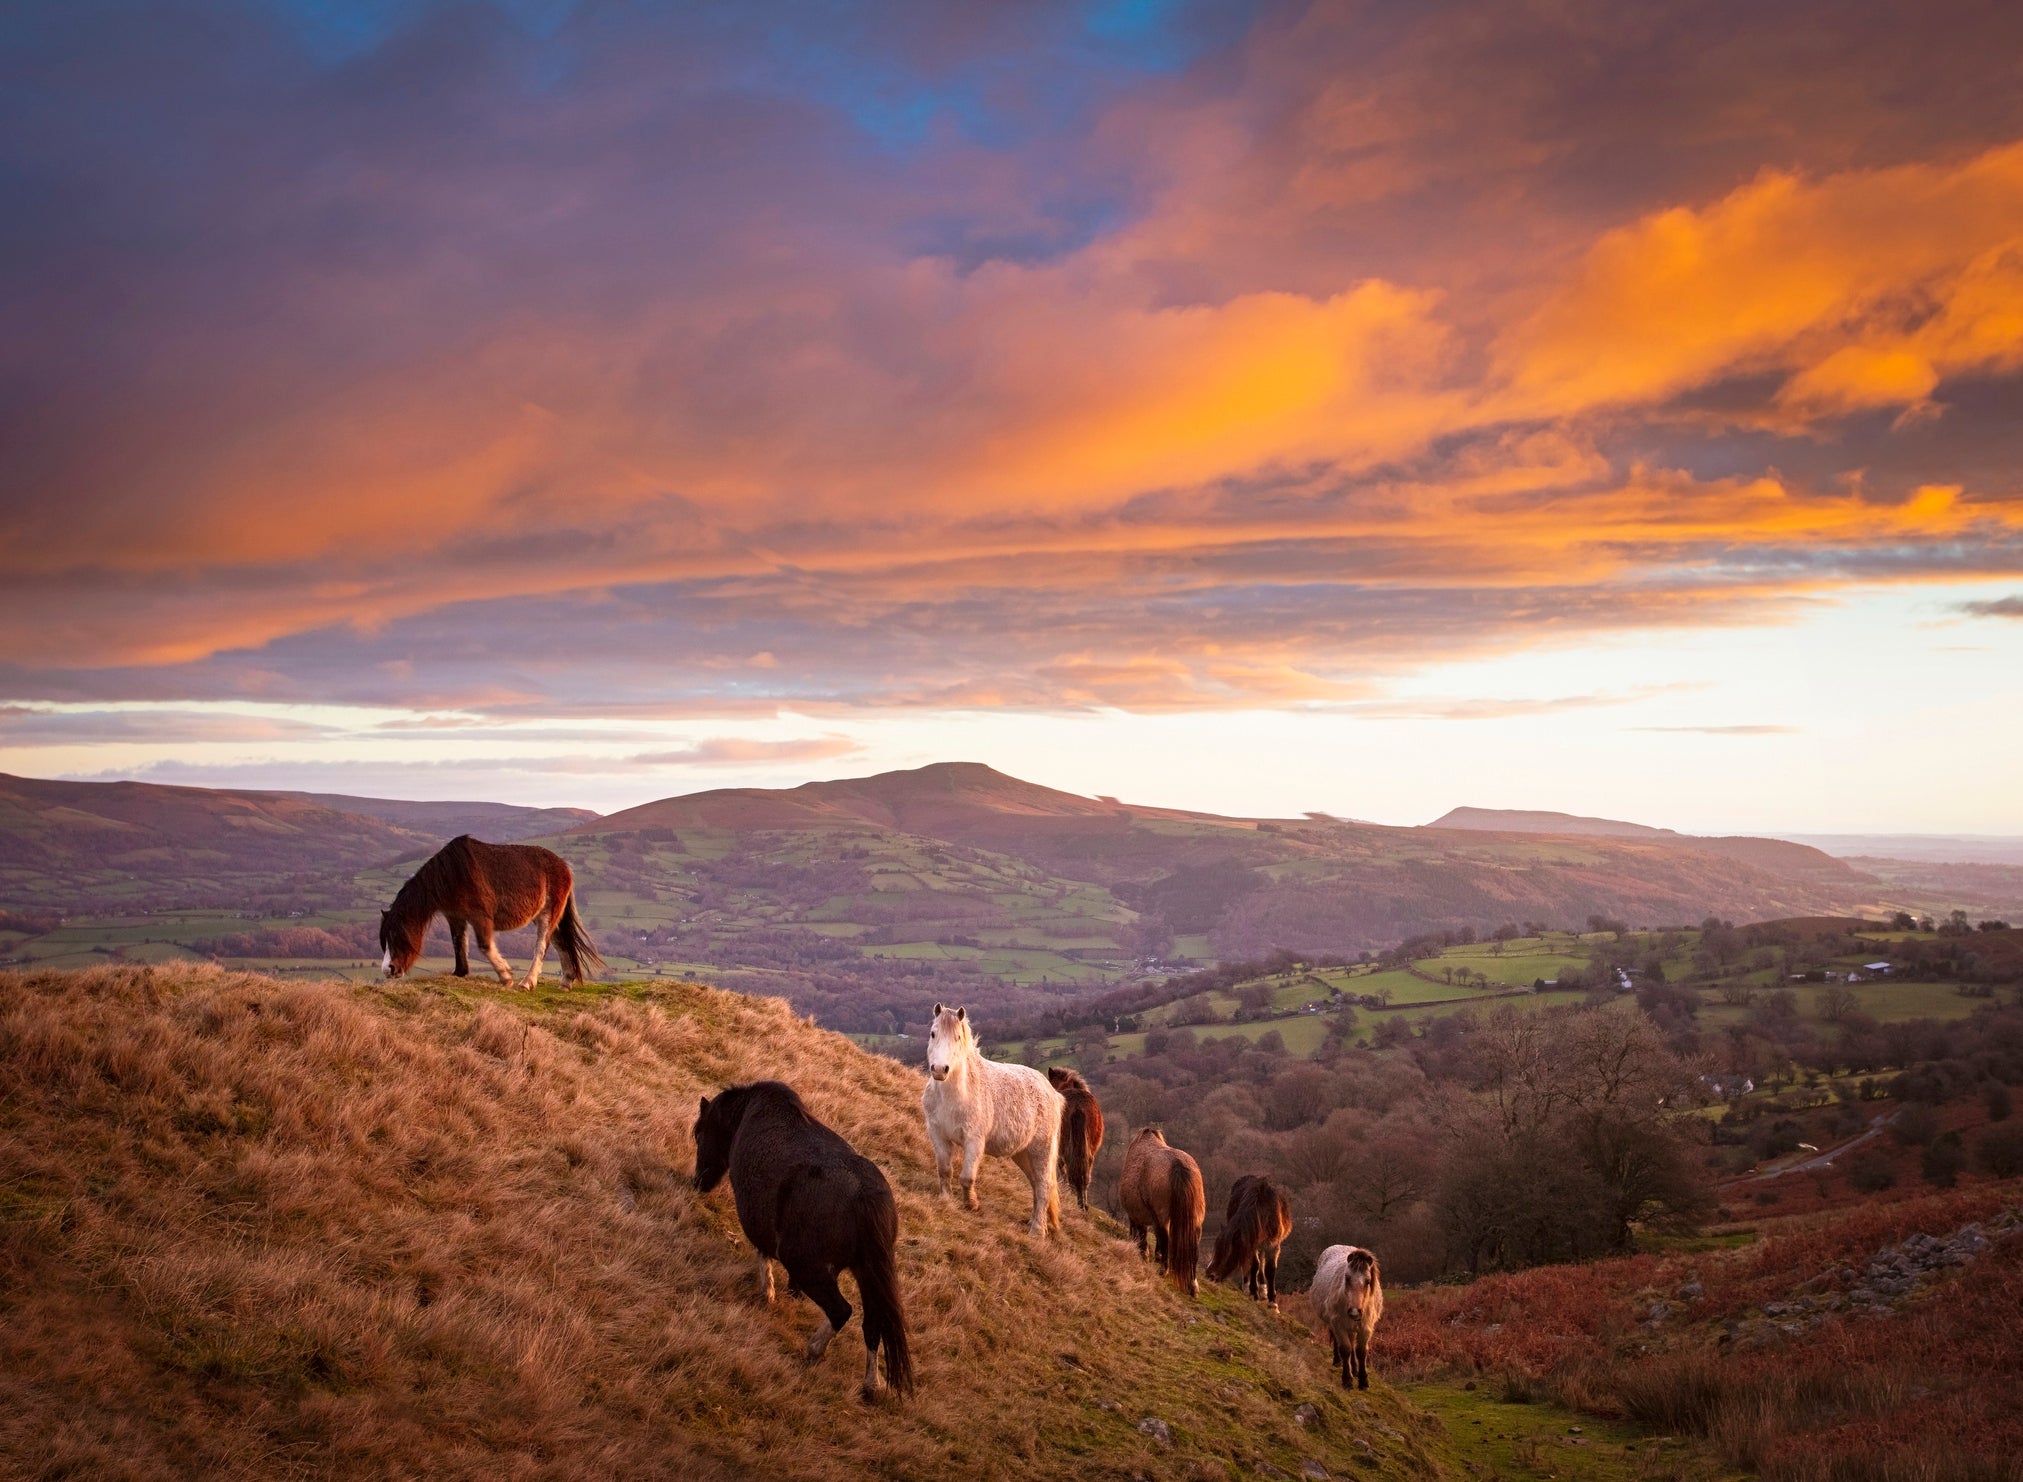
1075	1146
1183	1223
878	1284
579	957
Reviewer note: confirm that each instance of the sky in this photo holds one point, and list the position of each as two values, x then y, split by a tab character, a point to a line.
1369	407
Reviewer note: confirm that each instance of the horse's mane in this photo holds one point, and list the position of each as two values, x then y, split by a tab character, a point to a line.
1363	1257
774	1093
441	873
1065	1079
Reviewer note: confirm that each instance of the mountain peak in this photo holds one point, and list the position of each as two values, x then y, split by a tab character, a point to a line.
925	799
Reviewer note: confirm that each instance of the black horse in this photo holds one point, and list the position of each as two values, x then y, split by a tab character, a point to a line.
809	1200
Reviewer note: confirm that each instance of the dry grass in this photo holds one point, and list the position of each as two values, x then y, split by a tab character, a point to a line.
255	1229
1930	1393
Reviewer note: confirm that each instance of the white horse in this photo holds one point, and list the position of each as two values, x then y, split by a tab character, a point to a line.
985	1106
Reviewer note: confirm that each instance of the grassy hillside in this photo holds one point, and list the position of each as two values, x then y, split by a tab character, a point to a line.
255	1228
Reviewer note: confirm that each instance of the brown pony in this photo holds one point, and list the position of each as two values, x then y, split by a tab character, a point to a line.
1258	1221
487	888
1081	1130
1162	1194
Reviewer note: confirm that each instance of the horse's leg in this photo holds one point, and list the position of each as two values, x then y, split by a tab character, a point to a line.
1039	1170
458	927
1362	1358
1138	1234
1271	1277
1047	1165
941	1158
766	1277
490	947
972	1155
544	929
819	1286
1159	1249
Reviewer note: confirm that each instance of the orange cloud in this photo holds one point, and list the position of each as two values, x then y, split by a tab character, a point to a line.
1864	289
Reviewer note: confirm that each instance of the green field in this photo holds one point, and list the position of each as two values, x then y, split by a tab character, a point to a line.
1417	997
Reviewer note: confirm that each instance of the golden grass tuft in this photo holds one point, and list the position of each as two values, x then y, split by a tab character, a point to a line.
259	1229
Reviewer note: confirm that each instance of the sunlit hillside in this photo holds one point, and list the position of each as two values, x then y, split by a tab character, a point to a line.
260	1229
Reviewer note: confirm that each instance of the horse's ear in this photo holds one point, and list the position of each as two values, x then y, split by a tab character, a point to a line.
705	1105
937	1011
962	1014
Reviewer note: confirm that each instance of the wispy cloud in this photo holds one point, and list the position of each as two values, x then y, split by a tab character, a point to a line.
733	751
1999	607
1724	730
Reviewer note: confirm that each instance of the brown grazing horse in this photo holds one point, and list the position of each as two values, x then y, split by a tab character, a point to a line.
1258	1221
1348	1295
809	1200
487	888
1081	1130
1162	1194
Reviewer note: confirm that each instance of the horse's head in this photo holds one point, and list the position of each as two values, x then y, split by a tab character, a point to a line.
949	1040
1149	1134
1359	1280
713	1131
398	949
1062	1078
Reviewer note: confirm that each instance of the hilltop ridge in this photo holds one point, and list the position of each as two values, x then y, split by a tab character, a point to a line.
951	800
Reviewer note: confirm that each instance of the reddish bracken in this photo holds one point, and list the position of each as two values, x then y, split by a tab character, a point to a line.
1931	1388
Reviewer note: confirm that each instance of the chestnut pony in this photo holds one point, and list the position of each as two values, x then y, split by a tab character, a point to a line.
486	888
1161	1194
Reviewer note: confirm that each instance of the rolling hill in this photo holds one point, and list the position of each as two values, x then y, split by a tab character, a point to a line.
1782	855
80	846
502	823
268	1230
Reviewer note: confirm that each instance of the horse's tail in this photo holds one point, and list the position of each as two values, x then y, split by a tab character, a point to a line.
1075	1134
573	942
1230	1246
1184	1206
878	1284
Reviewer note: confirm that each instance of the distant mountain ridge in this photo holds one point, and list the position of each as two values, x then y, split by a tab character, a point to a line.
498	823
78	845
1777	854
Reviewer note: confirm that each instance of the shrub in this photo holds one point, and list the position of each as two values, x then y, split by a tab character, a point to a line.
1998	1151
1943	1161
1870	1172
1995	1096
1916	1125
